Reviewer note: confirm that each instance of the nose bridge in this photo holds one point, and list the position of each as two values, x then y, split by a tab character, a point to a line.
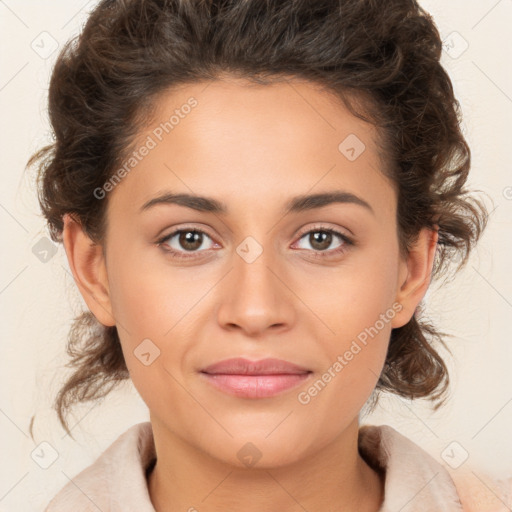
252	266
256	297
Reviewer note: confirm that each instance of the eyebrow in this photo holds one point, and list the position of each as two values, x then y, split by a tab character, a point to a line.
294	205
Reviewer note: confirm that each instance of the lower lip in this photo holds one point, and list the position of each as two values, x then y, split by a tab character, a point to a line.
255	386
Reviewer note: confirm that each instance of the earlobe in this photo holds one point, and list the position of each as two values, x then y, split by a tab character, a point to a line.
418	272
87	263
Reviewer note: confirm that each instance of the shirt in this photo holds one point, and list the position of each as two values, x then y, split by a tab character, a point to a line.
414	480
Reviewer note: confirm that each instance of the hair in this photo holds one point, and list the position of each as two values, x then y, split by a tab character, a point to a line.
386	61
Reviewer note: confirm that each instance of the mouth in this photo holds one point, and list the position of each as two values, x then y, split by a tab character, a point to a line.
255	379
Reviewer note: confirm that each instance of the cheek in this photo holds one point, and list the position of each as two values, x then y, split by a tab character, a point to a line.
358	309
153	307
355	360
146	298
356	295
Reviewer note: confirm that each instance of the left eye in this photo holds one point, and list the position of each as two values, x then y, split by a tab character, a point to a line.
321	239
190	239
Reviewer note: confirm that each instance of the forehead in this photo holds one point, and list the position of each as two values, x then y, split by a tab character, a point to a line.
236	140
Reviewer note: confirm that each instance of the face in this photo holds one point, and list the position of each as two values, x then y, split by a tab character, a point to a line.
255	270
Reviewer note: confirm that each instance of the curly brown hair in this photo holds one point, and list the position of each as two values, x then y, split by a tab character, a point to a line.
384	61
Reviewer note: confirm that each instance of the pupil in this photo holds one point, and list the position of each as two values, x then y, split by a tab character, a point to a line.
189	240
322	237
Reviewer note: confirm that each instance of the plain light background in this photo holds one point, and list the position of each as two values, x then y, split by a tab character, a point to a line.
38	297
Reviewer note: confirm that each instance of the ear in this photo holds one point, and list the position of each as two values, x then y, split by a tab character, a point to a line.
87	263
418	272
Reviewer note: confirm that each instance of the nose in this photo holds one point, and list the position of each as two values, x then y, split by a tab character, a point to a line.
256	295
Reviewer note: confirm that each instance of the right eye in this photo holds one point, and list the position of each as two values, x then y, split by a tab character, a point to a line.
189	240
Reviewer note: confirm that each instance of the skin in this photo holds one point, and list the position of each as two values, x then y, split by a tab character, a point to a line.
254	148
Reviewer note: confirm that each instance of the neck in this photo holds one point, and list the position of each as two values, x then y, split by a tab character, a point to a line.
336	477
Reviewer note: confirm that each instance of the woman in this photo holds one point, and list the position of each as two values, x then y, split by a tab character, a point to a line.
254	198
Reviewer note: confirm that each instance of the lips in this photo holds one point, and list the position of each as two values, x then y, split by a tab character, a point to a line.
242	366
255	379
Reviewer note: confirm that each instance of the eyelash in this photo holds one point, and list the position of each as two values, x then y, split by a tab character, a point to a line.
348	242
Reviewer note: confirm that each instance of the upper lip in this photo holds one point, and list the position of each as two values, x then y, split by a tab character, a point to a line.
242	366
